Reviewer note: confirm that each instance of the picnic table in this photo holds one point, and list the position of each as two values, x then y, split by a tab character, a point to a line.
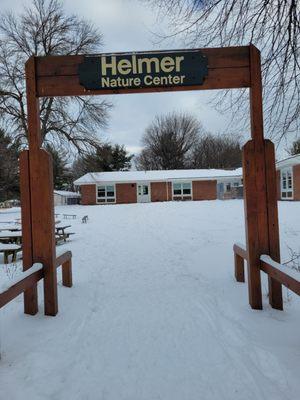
10	250
61	235
10	227
67	216
11	237
61	228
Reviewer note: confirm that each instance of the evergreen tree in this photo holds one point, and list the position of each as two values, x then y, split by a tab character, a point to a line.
9	168
105	158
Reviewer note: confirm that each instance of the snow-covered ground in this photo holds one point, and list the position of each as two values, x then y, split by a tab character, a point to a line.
155	313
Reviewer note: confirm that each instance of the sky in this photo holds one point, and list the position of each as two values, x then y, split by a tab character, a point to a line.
128	25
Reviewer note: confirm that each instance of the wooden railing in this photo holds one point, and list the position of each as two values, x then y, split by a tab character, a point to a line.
35	274
273	269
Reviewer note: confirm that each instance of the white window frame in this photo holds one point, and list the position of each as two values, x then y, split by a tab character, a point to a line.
106	197
182	196
283	172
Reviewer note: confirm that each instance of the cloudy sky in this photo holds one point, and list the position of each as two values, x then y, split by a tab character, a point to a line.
128	25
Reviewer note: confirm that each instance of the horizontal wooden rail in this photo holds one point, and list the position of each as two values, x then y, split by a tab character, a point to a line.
240	250
65	260
24	282
285	276
35	274
273	269
240	254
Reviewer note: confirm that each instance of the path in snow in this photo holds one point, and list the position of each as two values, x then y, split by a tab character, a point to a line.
155	314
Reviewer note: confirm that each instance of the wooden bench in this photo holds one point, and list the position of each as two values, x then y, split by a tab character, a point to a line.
67	216
10	250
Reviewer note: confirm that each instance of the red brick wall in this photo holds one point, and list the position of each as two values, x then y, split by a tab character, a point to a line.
204	190
159	191
88	194
296	181
126	193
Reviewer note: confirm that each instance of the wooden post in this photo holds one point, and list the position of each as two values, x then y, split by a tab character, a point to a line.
260	203
41	196
30	295
275	287
67	273
239	268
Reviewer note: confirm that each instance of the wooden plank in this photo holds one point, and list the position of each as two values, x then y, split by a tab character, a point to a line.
229	57
239	268
227	78
62	258
275	289
43	232
281	277
255	187
241	251
22	286
41	195
251	221
31	280
256	109
30	295
33	107
67	273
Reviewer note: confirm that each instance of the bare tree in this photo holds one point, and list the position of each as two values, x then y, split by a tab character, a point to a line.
217	151
272	25
169	142
45	29
295	148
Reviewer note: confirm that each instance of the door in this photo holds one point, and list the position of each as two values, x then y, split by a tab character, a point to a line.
143	192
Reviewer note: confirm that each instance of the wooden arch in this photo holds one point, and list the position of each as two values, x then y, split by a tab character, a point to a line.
227	68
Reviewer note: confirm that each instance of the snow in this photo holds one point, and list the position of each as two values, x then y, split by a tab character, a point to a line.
288	271
135	176
155	312
65	193
7	284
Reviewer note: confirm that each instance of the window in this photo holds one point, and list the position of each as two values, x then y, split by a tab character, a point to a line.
286	183
106	194
228	187
182	191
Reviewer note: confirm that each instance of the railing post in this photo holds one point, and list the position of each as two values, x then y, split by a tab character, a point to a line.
67	273
239	268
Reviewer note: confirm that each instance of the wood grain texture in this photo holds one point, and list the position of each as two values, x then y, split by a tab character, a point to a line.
30	295
280	277
227	68
251	199
275	289
43	232
239	268
224	57
31	281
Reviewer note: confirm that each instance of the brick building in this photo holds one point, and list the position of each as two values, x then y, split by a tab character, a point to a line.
288	178
194	184
154	186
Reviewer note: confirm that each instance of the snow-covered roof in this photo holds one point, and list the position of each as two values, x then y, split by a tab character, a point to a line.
65	193
162	175
289	161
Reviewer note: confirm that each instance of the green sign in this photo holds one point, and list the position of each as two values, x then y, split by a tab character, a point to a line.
143	70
